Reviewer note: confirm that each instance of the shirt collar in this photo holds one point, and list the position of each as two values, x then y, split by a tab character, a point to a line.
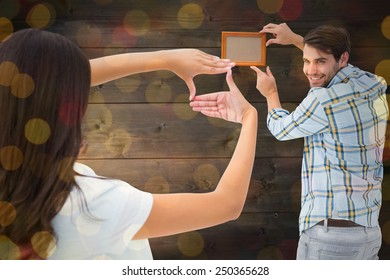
342	75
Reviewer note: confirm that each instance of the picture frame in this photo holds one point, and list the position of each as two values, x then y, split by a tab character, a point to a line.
244	48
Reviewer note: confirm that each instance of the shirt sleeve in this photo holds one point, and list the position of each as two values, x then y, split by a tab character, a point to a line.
307	119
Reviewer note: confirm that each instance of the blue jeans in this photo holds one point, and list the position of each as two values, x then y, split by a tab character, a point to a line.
322	242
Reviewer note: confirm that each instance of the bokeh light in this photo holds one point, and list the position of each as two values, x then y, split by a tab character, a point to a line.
37	131
136	22
385	27
7	213
383	69
70	113
270	6
22	85
98	117
158	93
8	249
157	184
8	71
128	84
122	36
291	9
119	142
65	171
41	16
43	243
6	28
190	244
11	158
190	16
181	108
206	176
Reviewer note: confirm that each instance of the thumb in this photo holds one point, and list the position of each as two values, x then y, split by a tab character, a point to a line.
191	87
269	42
230	81
269	73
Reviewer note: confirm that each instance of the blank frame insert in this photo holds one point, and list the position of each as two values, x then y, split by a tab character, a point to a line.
244	48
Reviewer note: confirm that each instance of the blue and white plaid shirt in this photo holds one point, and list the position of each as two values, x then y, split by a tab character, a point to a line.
344	127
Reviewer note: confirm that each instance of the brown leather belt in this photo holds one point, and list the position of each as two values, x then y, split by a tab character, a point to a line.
339	223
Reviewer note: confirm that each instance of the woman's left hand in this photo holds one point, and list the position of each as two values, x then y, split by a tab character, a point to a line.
188	63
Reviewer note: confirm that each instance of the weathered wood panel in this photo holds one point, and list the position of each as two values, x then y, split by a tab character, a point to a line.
252	236
275	184
168	131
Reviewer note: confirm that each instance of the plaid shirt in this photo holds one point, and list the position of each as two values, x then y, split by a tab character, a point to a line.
344	128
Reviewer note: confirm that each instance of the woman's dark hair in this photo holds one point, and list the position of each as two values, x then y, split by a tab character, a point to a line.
330	39
44	87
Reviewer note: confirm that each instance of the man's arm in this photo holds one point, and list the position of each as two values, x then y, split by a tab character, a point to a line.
283	35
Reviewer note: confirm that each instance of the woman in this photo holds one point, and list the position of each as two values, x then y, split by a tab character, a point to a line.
52	207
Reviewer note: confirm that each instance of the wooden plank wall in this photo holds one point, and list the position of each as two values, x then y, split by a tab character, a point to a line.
140	129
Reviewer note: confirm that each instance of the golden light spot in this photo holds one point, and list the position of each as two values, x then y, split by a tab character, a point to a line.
37	131
22	85
128	84
182	109
99	117
11	158
65	172
7	213
165	74
385	26
383	69
190	16
8	249
206	176
6	28
41	16
119	142
43	243
386	232
136	22
8	70
88	35
158	93
270	6
190	244
157	184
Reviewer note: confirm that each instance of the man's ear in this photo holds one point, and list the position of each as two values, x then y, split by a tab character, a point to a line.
344	59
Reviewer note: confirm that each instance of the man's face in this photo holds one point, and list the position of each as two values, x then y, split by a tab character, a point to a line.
319	67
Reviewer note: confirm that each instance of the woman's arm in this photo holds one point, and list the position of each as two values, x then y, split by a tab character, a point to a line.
185	63
176	213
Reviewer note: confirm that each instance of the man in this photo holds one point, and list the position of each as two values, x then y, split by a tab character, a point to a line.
343	123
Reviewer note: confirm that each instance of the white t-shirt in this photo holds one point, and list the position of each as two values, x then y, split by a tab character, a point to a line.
119	211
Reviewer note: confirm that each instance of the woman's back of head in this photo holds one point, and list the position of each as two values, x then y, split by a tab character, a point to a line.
44	86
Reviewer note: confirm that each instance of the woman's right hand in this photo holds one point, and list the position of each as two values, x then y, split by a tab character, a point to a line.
228	105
